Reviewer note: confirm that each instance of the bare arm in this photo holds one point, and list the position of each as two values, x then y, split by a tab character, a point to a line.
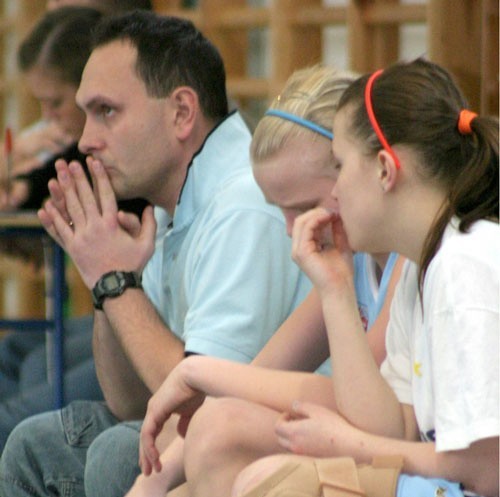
119	382
185	388
272	388
131	336
301	342
170	476
134	353
364	398
355	407
476	467
315	431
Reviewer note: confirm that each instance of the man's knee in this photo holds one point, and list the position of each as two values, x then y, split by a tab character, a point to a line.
24	462
113	461
20	439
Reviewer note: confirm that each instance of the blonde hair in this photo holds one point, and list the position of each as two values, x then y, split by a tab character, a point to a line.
311	93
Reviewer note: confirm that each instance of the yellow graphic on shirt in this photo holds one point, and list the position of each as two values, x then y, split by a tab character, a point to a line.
417	368
440	492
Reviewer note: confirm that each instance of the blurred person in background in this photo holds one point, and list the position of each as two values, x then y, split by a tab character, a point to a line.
52	58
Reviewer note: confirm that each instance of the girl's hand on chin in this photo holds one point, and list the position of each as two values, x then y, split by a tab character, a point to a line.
320	248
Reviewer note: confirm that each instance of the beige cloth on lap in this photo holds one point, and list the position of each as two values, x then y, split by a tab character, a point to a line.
331	477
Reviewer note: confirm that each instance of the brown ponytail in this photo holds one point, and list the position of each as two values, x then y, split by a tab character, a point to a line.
418	104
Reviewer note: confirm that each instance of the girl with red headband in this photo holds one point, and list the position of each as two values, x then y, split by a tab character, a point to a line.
418	176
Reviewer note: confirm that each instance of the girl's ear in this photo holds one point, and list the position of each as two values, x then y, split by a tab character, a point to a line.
387	170
185	100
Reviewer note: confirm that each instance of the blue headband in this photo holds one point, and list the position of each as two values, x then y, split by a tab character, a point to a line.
301	121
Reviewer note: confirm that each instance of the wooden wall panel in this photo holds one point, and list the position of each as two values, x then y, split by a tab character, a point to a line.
462	36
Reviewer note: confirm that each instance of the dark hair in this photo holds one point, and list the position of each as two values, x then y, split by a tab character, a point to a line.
60	42
418	104
171	52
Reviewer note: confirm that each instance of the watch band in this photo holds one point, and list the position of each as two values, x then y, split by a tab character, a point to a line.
113	284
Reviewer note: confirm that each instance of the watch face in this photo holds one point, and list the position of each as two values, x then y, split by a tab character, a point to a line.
111	282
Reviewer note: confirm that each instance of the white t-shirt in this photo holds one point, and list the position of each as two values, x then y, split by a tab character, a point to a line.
444	360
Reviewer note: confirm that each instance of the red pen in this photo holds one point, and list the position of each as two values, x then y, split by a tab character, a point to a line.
8	155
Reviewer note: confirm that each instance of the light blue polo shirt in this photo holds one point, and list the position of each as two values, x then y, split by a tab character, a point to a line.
221	275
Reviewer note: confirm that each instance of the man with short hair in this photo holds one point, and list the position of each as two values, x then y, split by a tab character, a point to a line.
217	278
52	57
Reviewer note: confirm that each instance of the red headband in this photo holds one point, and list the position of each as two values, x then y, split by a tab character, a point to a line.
464	120
373	119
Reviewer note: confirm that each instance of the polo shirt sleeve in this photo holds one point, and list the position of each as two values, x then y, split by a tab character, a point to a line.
151	283
242	284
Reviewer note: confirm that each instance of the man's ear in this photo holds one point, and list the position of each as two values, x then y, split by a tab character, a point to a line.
386	170
186	104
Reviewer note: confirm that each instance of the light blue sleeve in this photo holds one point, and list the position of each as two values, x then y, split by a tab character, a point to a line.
151	283
242	284
382	290
363	286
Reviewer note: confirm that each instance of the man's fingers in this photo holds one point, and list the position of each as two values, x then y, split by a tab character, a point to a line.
79	194
57	198
102	187
45	216
72	210
130	223
63	230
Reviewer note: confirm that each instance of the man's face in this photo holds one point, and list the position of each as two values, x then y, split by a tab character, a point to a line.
299	177
126	129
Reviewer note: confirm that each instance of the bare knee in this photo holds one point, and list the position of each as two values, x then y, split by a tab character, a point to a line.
229	433
215	428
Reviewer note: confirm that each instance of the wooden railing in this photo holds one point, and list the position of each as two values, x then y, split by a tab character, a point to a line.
462	35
